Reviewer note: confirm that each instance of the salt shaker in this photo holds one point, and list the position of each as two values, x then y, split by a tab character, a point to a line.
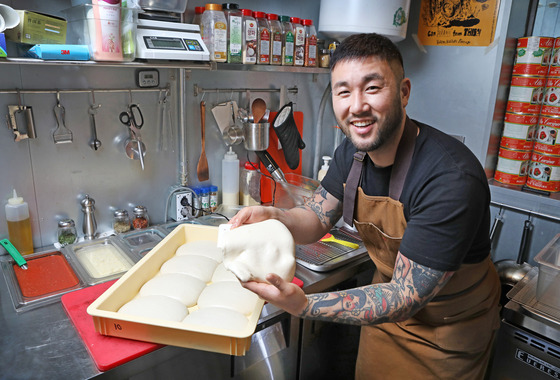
141	219
89	225
121	221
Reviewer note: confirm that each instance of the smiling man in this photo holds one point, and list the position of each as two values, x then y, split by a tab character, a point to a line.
420	201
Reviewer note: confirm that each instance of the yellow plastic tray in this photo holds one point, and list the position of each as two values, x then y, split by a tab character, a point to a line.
108	322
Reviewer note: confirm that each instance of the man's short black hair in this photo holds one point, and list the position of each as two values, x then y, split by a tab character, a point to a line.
365	45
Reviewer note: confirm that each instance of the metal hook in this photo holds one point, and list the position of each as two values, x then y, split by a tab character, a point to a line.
19	99
93	96
130	95
58	98
203	94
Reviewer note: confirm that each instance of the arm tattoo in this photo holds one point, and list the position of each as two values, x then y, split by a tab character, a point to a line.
327	217
412	287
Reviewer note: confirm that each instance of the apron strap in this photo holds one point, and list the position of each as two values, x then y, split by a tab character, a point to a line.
403	159
351	188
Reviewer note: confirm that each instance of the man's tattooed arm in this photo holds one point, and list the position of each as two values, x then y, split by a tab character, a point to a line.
327	208
411	288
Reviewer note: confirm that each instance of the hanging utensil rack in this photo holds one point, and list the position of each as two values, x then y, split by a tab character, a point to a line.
199	90
75	91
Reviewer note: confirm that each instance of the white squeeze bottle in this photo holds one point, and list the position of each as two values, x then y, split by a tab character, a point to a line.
324	168
230	179
19	224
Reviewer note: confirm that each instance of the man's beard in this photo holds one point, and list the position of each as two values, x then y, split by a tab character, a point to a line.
385	132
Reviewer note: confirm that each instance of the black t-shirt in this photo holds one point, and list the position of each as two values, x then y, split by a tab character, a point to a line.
445	196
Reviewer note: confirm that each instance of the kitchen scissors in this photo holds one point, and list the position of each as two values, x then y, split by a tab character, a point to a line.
131	116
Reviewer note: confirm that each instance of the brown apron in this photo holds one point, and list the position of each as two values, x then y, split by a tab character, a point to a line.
451	337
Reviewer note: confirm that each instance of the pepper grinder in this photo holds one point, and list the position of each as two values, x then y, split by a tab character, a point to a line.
89	225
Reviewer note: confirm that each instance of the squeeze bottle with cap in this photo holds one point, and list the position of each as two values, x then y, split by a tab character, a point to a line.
230	179
324	168
19	224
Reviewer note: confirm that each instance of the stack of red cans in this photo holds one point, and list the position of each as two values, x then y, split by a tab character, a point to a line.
528	152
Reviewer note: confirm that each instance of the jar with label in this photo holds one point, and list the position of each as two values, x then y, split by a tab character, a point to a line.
141	219
213	198
310	44
299	42
197	19
205	199
234	19
287	41
213	29
250	30
121	221
250	183
263	39
66	232
324	58
275	39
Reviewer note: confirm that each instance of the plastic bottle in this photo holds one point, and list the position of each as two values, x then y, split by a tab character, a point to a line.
19	224
275	39
197	19
249	194
310	44
263	39
324	168
299	42
250	31
234	19
287	41
230	179
214	32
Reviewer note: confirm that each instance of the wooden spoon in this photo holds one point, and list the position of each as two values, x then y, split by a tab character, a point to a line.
202	167
258	108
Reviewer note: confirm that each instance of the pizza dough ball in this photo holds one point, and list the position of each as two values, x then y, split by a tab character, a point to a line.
218	317
183	288
206	248
193	265
254	250
230	295
160	307
222	274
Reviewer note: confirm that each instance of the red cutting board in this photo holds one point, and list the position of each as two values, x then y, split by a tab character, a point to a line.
106	351
278	155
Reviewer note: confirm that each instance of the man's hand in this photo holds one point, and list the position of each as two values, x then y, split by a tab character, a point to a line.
280	293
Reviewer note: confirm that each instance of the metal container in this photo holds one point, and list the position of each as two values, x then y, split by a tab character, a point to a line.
176	6
256	136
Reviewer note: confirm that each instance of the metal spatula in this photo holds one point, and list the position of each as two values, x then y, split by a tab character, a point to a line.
61	134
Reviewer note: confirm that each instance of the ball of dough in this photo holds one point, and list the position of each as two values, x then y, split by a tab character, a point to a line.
218	317
206	248
222	274
183	288
193	265
230	295
254	250
160	307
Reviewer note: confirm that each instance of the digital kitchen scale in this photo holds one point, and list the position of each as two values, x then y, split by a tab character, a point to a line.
170	40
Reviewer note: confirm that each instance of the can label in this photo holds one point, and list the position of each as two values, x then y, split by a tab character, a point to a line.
551	100
534	50
519	131
526	94
512	166
544	172
554	70
547	140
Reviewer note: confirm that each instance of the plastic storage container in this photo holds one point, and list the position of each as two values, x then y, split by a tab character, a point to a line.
234	19
263	39
108	31
287	41
275	39
213	29
250	31
548	284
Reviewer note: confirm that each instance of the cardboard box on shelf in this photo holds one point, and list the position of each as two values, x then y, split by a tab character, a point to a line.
38	28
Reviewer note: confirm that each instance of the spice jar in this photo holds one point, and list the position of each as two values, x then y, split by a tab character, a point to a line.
324	58
141	219
66	233
121	221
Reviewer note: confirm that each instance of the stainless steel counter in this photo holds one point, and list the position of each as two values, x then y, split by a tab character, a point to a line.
43	343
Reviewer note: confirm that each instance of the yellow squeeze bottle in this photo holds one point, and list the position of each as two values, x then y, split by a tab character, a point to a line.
19	224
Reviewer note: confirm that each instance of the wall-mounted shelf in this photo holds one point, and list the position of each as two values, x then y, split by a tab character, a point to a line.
187	65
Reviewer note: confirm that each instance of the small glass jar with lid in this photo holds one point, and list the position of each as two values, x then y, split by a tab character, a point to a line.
121	221
141	219
66	233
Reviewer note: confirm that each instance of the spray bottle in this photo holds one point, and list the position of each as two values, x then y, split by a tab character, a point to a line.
324	168
19	224
230	179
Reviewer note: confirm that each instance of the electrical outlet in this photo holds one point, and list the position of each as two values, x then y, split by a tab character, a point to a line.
181	206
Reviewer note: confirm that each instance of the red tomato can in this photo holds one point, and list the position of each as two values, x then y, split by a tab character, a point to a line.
551	100
512	166
547	138
519	131
526	94
544	172
554	70
533	55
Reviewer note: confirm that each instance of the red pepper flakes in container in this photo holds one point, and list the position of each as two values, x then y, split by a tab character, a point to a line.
141	219
45	275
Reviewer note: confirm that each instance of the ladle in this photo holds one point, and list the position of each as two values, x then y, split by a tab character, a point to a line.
95	143
258	109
